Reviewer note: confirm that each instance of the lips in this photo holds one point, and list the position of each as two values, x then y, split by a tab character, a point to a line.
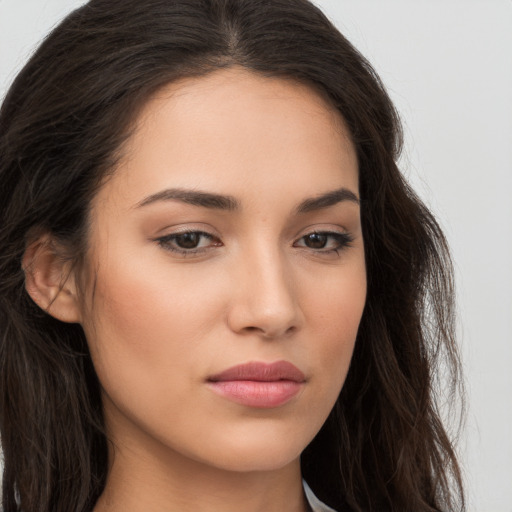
261	372
259	385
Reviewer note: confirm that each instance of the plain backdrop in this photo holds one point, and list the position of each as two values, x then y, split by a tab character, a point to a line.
448	67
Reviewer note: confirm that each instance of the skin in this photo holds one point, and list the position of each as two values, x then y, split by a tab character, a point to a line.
160	322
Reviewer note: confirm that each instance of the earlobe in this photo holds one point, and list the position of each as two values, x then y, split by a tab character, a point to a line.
49	280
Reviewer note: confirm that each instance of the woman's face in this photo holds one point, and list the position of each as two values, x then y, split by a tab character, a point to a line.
229	234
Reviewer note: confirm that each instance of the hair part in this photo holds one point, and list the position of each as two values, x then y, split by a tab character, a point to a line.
62	128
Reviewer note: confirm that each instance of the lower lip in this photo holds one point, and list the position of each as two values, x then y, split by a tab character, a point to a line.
257	394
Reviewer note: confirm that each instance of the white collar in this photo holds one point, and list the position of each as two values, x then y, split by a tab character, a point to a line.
315	504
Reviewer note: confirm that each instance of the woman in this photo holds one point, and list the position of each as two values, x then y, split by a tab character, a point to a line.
217	291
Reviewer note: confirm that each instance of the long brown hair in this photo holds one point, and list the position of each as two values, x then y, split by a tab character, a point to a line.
384	447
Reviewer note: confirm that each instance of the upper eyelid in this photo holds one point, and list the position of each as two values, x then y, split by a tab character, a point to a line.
211	234
348	238
181	231
186	231
201	232
209	230
323	231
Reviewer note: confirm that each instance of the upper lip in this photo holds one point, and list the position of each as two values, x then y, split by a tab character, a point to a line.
260	372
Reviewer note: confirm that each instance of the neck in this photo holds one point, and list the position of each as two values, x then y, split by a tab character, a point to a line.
148	476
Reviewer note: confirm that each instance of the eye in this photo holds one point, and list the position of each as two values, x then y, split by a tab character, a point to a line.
188	242
325	241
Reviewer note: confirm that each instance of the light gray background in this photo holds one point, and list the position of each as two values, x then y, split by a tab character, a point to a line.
448	67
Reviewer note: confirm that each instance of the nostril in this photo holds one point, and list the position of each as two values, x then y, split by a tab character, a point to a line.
270	332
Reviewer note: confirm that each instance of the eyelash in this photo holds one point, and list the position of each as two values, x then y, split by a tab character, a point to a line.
343	241
166	241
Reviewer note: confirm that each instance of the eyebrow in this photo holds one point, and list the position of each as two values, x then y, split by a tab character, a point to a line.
193	197
230	203
326	200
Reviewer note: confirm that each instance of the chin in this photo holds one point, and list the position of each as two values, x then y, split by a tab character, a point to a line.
250	452
262	461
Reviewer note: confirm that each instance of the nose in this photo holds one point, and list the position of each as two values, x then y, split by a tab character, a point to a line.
265	301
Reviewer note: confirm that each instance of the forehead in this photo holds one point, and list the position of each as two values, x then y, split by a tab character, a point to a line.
234	131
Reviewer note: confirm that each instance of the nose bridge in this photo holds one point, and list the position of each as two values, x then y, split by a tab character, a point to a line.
266	300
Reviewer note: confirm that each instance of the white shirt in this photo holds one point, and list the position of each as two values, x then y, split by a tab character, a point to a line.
315	504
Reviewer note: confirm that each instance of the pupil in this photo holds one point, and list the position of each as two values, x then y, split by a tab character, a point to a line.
188	240
316	241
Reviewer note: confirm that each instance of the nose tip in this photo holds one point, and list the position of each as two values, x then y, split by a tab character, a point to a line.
265	304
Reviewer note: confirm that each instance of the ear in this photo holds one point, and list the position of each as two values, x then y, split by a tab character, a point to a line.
49	280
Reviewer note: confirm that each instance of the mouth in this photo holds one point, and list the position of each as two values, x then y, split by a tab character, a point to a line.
259	385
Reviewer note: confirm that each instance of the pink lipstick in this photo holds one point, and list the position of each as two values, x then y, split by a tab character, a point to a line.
259	385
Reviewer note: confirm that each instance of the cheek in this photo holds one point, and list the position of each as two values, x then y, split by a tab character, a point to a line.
334	314
145	326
